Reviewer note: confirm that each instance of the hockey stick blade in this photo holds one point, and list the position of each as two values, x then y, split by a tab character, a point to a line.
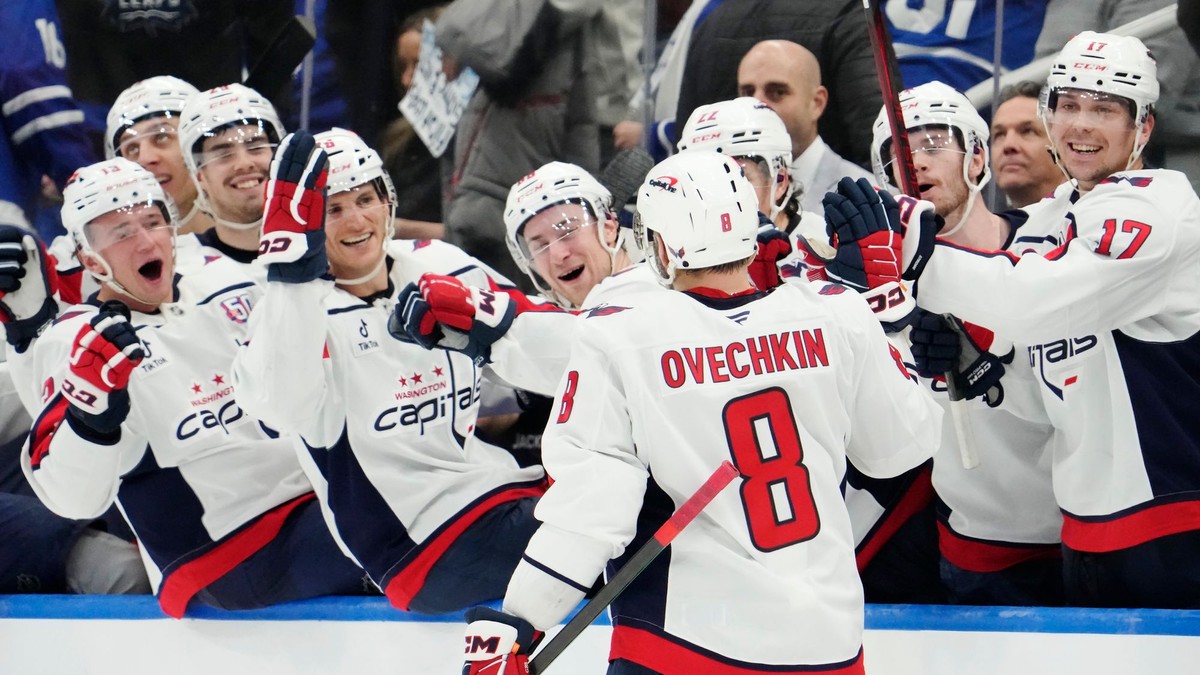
662	538
275	66
624	174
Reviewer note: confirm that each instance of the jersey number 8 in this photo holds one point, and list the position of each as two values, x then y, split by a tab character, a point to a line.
776	493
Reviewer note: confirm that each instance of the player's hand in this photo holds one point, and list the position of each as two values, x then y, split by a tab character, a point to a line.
104	354
497	643
942	346
919	226
293	238
867	244
441	311
773	245
27	281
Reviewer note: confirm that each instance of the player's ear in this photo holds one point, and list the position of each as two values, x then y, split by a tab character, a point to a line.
611	228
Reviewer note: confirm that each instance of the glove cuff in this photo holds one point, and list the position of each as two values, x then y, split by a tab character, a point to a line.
492	633
291	269
103	428
20	333
893	305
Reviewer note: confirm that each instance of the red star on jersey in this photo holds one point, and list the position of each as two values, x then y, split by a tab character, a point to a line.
417	378
217	379
404	382
437	371
196	388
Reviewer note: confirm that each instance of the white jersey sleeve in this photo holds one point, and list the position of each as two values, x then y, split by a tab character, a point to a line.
1119	263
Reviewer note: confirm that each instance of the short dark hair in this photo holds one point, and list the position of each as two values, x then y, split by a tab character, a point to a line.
1025	88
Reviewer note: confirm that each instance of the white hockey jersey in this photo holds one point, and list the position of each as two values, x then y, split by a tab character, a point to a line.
661	388
384	427
1111	320
202	483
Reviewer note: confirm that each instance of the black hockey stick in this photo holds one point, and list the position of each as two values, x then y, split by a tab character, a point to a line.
625	173
278	61
890	87
684	515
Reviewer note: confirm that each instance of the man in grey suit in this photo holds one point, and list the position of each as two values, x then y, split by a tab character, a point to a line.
787	77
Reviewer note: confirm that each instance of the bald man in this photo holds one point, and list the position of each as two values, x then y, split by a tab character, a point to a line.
787	77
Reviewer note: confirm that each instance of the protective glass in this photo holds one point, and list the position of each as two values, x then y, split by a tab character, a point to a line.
757	171
1093	109
365	202
565	224
160	137
133	222
939	140
224	147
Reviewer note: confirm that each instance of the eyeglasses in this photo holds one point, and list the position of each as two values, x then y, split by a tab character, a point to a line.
140	218
562	230
160	138
366	203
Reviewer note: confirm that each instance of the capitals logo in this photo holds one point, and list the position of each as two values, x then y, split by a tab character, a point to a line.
666	183
1055	353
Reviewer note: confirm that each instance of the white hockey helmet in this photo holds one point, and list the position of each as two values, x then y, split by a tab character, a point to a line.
934	104
108	186
743	127
551	185
702	207
1119	65
209	112
352	164
160	96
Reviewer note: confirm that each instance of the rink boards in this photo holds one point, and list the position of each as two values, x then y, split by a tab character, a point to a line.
56	635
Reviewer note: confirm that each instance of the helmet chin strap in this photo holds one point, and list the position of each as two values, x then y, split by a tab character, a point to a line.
366	277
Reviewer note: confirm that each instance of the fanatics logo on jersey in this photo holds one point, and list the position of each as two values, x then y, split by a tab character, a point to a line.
832	289
603	310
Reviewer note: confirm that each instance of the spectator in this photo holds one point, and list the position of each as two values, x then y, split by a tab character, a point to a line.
535	103
787	77
1024	168
835	31
141	411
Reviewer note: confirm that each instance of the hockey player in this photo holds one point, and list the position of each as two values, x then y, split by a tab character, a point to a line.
139	408
143	127
765	580
998	525
227	136
1111	319
437	517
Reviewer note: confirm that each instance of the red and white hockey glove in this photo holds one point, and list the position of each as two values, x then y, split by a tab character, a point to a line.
105	352
27	281
773	246
497	643
293	237
919	226
442	311
868	251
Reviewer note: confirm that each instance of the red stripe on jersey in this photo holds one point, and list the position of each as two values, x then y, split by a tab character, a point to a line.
667	656
43	430
1127	531
70	286
976	555
916	497
523	302
183	583
408	582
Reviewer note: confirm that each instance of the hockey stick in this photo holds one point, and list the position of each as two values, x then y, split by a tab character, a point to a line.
684	515
275	65
889	87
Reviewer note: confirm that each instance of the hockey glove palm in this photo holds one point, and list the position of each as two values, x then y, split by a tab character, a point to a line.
497	643
773	246
442	311
293	238
943	346
868	250
104	354
27	280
